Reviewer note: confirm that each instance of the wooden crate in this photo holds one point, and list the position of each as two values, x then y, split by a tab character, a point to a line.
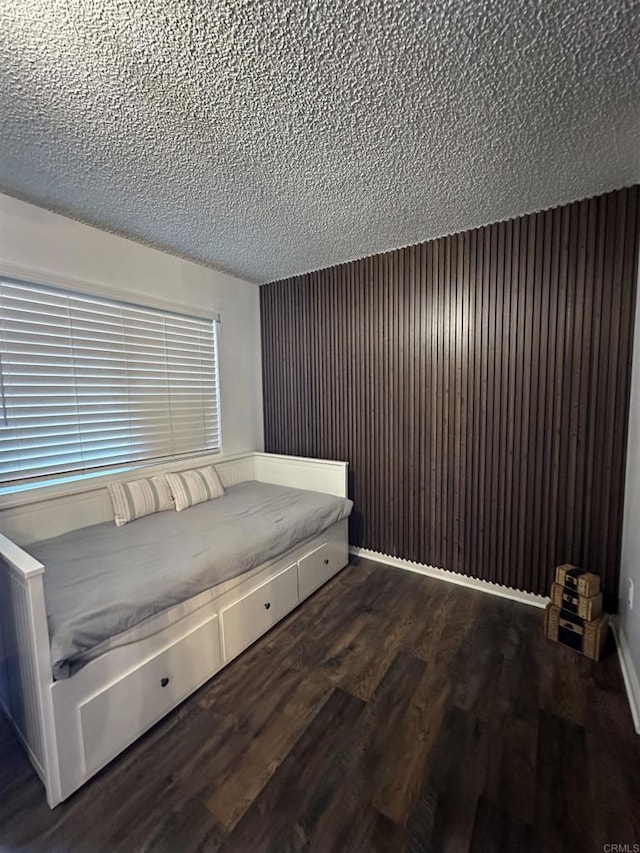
568	599
575	633
573	577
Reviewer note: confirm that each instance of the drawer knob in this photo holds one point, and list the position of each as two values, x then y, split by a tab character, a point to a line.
267	605
326	562
164	681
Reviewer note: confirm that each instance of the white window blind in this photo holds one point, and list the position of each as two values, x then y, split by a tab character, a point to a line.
87	382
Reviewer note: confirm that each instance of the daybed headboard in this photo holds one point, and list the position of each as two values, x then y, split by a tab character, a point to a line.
25	518
316	475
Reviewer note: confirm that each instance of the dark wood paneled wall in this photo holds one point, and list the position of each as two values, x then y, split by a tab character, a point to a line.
477	384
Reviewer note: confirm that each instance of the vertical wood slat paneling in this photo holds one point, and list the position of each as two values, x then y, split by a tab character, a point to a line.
477	384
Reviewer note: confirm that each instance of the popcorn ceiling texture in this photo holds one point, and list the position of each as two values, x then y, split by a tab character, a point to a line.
269	138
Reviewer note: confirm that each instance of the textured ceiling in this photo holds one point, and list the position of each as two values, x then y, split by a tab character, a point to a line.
272	138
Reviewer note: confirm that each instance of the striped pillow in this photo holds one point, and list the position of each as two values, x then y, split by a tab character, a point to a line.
140	497
195	486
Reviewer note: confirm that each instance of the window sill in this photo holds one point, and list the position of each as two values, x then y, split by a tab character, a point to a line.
21	494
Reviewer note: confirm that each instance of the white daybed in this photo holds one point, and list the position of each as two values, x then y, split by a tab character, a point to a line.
73	727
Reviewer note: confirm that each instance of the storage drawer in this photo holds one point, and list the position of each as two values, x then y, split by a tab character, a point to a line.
318	566
113	718
247	619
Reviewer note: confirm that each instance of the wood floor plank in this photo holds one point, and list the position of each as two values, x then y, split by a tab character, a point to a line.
562	808
512	767
226	736
518	694
285	814
447	626
187	829
614	788
512	761
497	831
238	787
400	776
26	822
479	661
385	638
444	814
15	770
372	832
371	740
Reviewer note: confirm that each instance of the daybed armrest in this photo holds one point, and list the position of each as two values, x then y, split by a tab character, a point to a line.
18	560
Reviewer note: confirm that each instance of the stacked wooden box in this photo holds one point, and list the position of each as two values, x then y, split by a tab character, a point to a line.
574	616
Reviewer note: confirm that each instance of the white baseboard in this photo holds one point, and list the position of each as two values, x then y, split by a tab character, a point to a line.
453	577
629	673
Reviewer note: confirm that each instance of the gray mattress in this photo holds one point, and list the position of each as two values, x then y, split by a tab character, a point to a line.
103	580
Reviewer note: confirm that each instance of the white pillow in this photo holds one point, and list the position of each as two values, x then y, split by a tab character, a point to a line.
195	486
140	497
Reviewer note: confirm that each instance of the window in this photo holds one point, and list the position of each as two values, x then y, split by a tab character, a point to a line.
87	382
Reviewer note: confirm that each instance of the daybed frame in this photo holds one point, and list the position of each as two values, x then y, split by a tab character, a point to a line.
72	728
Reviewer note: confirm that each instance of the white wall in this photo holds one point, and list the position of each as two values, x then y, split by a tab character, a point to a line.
629	619
48	247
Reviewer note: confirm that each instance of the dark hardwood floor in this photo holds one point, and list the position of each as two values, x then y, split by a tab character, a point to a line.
389	712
